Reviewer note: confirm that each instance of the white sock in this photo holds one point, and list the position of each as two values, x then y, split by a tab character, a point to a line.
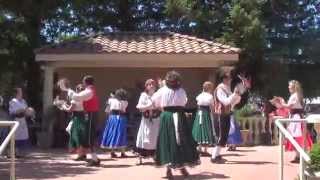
92	156
216	152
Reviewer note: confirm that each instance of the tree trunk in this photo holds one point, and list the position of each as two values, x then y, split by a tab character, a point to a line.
33	73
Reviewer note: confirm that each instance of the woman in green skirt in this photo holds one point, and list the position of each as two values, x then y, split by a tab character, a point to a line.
203	131
176	147
79	140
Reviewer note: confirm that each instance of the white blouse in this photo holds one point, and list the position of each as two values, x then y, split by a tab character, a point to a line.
145	102
294	102
16	105
225	96
84	95
165	97
78	105
204	99
115	104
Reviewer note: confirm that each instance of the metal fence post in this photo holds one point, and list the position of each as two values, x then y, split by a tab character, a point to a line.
280	155
12	154
301	169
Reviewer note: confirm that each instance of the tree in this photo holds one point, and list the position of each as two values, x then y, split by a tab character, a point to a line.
26	18
292	28
245	29
205	19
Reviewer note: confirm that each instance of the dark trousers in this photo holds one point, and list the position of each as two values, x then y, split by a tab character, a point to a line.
92	118
222	127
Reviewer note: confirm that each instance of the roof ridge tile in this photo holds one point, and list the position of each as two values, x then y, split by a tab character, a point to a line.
138	42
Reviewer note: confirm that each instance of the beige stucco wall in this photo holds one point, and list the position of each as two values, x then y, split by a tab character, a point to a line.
109	79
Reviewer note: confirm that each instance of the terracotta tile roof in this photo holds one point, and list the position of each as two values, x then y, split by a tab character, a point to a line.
138	42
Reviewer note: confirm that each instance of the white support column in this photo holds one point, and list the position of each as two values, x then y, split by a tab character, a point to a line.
47	87
45	136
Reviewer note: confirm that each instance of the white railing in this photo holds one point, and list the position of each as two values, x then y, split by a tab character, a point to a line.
304	157
10	138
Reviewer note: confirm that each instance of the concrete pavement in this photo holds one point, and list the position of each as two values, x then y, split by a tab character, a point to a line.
248	163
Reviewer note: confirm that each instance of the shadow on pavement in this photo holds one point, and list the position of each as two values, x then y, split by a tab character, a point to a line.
233	154
250	162
44	165
37	169
245	150
201	176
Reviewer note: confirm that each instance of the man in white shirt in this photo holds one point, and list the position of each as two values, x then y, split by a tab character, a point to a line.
91	107
223	100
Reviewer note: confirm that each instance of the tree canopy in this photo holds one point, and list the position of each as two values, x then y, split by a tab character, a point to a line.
275	35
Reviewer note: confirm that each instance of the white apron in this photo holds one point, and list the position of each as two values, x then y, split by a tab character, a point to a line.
295	127
22	131
148	133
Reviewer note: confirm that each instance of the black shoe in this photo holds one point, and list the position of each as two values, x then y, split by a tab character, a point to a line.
93	163
113	155
231	148
123	155
205	154
169	174
184	172
218	160
296	160
81	158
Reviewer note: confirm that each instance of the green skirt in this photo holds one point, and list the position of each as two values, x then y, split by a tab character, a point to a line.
79	137
202	131
168	151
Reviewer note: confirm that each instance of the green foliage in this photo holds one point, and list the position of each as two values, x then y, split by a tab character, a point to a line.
315	158
181	7
245	111
245	28
272	34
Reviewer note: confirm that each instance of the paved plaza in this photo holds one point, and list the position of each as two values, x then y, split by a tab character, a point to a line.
248	163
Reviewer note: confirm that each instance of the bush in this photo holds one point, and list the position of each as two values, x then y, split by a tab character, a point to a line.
245	111
315	158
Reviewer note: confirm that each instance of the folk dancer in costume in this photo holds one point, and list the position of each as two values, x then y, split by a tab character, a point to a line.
115	132
60	101
149	126
19	110
176	147
202	130
223	99
295	104
241	84
274	110
91	106
79	140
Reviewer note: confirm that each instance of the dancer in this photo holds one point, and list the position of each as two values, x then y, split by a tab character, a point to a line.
234	138
79	140
115	132
149	127
202	130
175	147
223	99
59	102
18	110
295	104
91	106
241	84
